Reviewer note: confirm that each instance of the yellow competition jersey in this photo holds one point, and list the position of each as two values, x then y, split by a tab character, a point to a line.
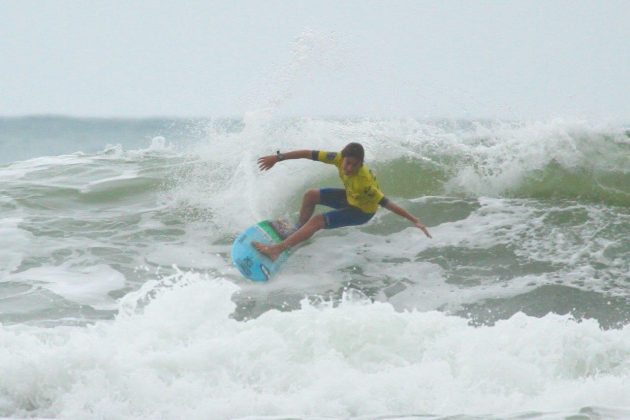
362	189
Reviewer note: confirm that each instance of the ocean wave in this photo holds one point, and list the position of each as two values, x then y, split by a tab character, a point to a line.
177	339
558	159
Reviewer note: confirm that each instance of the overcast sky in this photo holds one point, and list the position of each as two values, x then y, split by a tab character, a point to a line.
427	59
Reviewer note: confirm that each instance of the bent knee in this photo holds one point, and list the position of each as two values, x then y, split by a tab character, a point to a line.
318	221
312	195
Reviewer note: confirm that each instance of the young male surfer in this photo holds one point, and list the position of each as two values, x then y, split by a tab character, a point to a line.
354	205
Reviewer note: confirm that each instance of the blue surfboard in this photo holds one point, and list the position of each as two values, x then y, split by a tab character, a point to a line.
251	263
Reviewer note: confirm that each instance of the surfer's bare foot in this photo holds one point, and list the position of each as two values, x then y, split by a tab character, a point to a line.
271	251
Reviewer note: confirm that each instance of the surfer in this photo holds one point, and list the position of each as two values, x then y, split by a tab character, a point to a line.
354	205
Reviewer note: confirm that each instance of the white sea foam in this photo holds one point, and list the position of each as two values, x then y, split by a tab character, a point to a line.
17	170
110	182
14	243
182	356
186	256
84	285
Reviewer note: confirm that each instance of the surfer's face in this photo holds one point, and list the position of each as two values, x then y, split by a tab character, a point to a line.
351	165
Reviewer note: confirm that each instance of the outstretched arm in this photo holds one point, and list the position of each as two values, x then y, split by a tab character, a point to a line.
393	207
266	162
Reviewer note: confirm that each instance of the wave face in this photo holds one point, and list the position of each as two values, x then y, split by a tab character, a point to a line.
116	284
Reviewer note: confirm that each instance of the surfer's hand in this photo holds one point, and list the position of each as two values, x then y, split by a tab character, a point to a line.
423	228
266	162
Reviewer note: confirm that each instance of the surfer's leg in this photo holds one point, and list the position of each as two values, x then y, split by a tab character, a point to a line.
307	230
310	199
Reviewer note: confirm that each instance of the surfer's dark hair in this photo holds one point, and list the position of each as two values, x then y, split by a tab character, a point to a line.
353	150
